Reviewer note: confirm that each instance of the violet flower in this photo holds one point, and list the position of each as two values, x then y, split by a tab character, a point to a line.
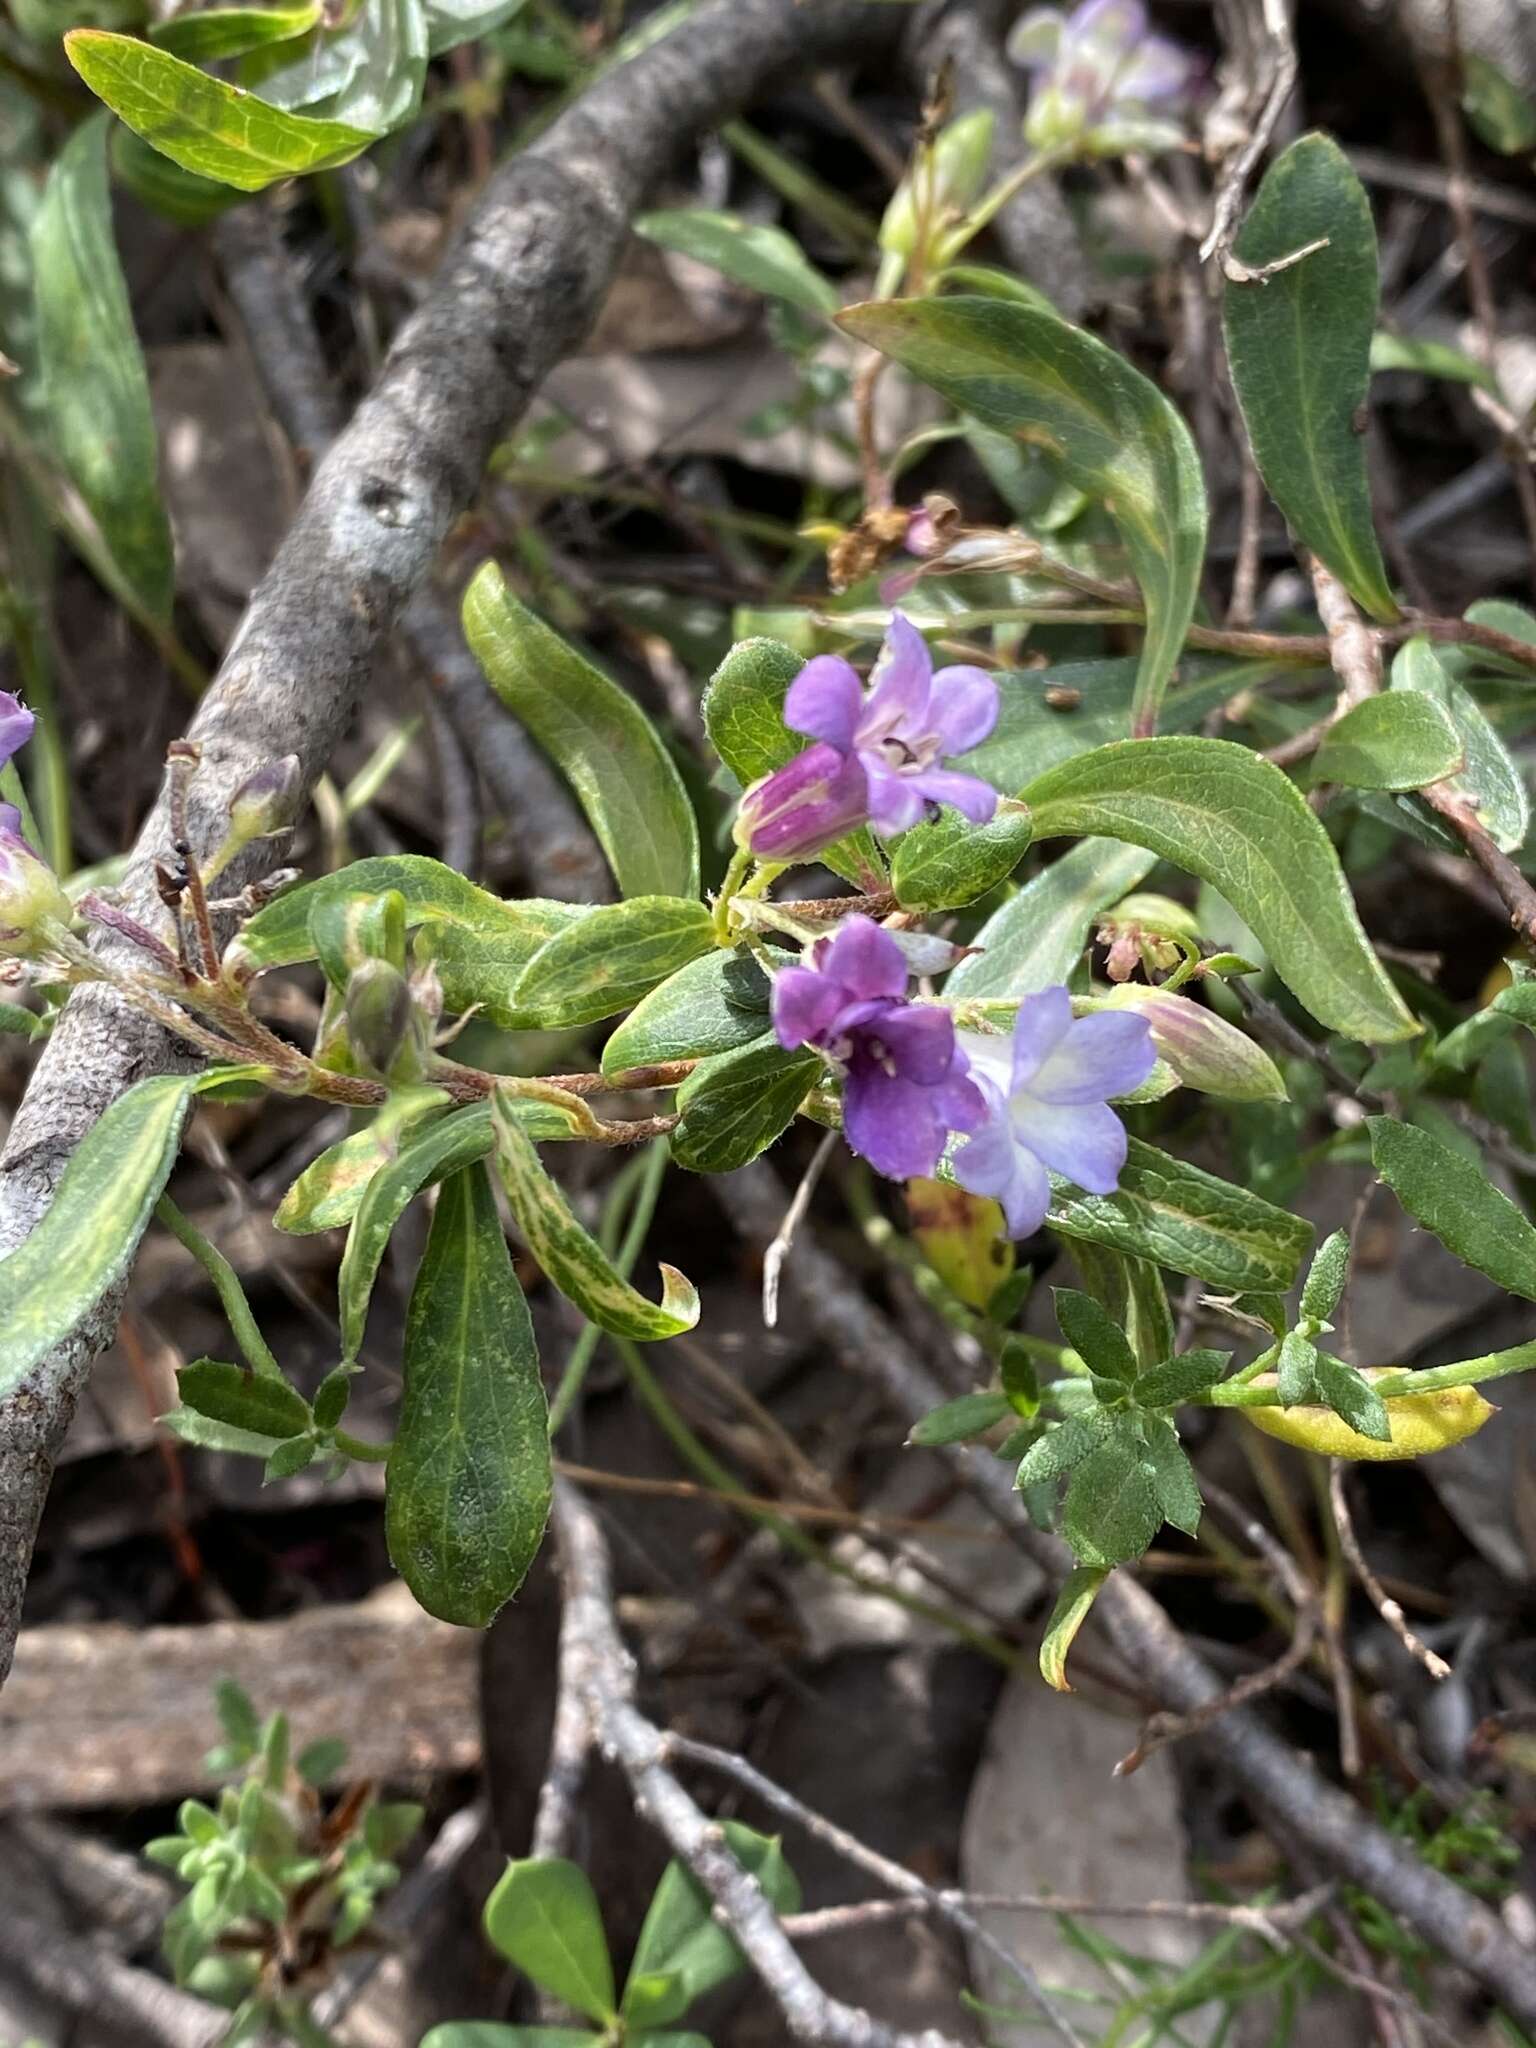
879	757
1100	78
1047	1095
16	724
905	1086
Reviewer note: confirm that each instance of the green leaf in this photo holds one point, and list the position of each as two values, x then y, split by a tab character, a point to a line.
734	1105
1094	1335
1036	939
164	187
1299	344
294	1454
319	1761
744	718
949	862
1429	359
89	1234
1452	1197
389	67
1180	1216
468	1482
616	955
1296	1373
327	1193
956	1421
1074	1600
597	736
1027	373
1112	1509
712	1005
1326	1277
1062	1449
1477	1035
206	1435
571	1256
347	930
493	2034
22	1023
1490	779
1174	1485
1352	1398
1504	617
432	1155
1503	115
1221	812
543	1916
763	258
1179	1379
95	388
251	1401
478	944
209	33
682	1952
199	122
1399	740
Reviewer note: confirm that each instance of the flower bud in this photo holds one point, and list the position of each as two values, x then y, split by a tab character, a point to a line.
808	804
268	801
956	165
30	895
379	1013
1204	1050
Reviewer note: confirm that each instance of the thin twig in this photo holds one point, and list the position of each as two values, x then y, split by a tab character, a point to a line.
1234	180
1389	1610
794	1215
1273	1924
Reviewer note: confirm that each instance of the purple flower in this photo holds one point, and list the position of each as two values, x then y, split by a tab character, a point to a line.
891	744
1047	1101
1099	75
29	889
905	1086
16	724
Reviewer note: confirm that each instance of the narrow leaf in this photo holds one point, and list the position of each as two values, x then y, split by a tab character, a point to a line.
209	33
763	258
1093	1334
1028	373
1178	1379
1067	1617
246	1400
1296	1369
683	1952
1221	812
1351	1397
468	1482
327	1193
598	737
95	388
1299	343
571	1256
958	1420
1036	939
1454	1199
616	955
1174	1485
199	122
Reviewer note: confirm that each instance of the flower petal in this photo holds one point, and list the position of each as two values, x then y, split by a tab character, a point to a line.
1035	38
864	961
973	798
891	1122
1086	1142
900	684
807	804
1043	1021
963	707
16	723
805	1005
1092	1062
895	801
1158	69
994	1163
920	1039
824	701
1106	28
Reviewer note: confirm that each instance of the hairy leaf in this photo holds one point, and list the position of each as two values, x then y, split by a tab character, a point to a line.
1453	1198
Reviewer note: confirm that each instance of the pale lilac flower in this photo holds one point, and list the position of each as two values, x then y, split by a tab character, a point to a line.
905	1087
1047	1092
895	741
16	724
1104	84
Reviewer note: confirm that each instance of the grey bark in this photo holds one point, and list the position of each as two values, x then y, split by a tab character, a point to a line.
521	285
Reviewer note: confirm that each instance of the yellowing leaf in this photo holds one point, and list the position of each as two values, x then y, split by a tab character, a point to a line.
1421	1423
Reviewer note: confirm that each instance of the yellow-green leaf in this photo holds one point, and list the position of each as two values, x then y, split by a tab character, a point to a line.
1067	1617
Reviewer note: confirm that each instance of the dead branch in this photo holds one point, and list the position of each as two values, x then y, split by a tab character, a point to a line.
1334	1829
521	285
602	1672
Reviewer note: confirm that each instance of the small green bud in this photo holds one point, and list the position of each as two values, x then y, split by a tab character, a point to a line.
379	1013
268	801
956	163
